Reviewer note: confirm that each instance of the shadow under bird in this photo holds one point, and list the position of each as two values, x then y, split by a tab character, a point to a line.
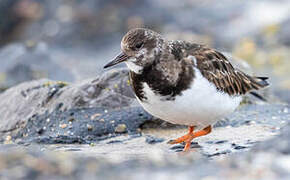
182	82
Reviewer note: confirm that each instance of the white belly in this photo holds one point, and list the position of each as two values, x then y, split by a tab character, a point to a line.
200	106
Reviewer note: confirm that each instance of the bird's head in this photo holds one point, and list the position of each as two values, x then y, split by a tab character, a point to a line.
139	48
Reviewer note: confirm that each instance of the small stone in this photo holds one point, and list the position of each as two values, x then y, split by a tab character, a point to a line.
121	128
63	126
177	147
94	116
92	144
8	138
102	120
153	140
138	130
90	127
47	120
71	120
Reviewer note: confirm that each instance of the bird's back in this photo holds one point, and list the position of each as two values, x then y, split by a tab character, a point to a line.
217	69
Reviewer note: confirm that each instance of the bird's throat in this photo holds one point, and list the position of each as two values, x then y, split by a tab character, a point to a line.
134	67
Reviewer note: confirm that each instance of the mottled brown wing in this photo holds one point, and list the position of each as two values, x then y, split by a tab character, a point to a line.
215	67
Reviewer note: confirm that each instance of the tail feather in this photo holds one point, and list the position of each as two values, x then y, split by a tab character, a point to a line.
257	83
262	78
261	81
258	96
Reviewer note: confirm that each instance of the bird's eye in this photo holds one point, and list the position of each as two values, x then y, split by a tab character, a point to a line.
139	45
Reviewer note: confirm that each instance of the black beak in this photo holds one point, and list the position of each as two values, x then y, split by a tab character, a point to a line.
120	58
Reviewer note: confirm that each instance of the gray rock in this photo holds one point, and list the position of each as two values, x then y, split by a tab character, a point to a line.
153	140
50	98
78	126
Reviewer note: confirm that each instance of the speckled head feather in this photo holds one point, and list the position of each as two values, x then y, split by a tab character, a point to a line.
141	48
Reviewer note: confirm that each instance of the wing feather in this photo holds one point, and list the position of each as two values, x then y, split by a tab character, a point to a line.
215	67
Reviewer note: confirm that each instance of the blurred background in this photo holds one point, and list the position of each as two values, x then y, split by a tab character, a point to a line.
70	40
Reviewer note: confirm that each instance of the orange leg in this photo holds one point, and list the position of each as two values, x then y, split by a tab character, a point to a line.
189	136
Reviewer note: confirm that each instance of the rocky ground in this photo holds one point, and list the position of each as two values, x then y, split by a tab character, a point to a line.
62	116
267	160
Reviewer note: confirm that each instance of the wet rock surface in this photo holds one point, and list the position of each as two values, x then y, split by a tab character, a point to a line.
270	157
56	112
82	125
35	98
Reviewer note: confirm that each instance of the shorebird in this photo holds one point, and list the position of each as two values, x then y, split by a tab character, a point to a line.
183	82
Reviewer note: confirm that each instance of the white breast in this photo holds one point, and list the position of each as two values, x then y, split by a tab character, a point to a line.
200	106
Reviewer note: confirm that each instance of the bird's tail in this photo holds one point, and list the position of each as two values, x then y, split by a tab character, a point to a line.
259	82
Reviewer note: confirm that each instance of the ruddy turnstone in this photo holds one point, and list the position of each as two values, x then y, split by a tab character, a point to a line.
182	82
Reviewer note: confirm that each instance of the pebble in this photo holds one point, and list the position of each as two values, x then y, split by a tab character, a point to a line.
63	126
102	120
71	120
90	127
95	116
8	138
153	140
121	128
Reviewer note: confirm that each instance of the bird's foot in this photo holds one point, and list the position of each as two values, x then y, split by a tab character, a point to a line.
190	136
181	139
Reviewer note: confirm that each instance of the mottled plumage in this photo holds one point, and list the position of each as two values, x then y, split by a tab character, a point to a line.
172	71
182	82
